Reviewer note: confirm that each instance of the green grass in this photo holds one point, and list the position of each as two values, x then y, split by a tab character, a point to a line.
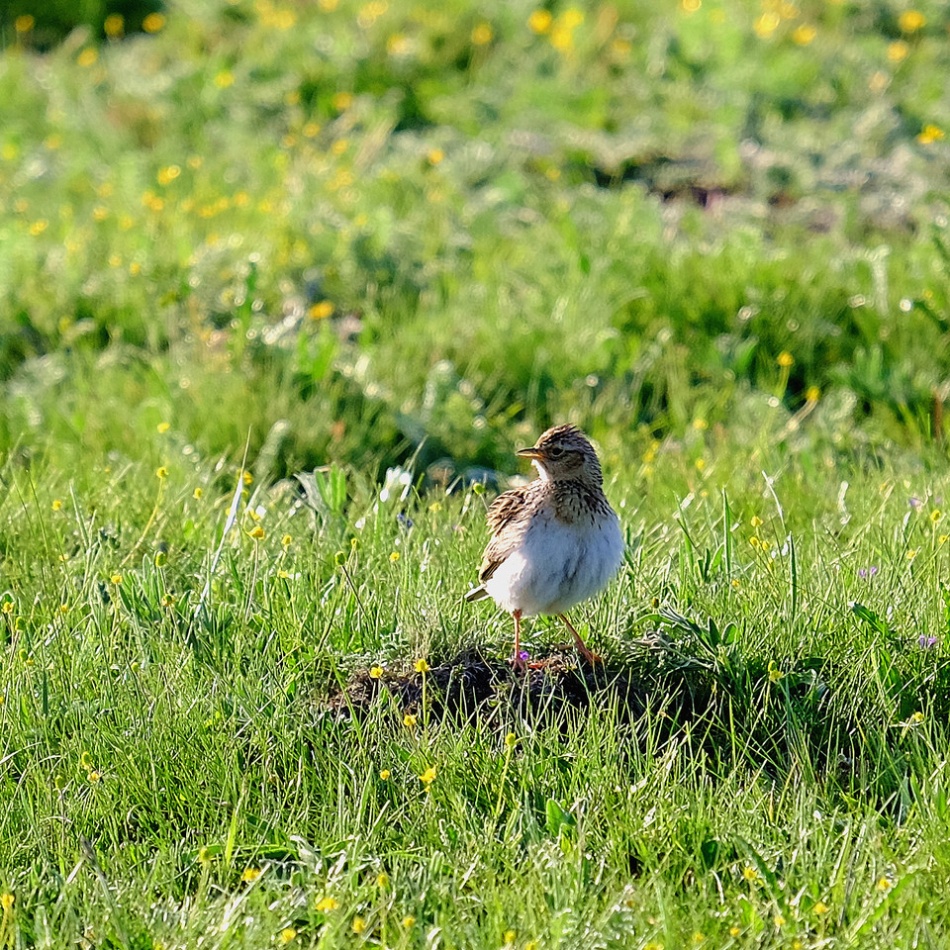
187	740
393	243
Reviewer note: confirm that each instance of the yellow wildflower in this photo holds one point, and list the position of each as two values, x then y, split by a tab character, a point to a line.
342	101
250	875
572	18
482	34
897	51
765	25
385	774
540	21
153	23
428	776
785	359
804	34
327	904
168	174
562	39
910	21
321	310
421	666
930	134
113	25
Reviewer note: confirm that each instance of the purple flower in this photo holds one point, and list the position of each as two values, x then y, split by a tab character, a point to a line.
914	502
926	643
523	656
865	572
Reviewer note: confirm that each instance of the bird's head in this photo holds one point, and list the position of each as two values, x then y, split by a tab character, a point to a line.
564	454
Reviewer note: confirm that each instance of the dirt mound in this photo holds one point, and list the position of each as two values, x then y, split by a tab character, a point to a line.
472	685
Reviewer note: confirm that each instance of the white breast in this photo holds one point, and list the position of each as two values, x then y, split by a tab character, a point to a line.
557	565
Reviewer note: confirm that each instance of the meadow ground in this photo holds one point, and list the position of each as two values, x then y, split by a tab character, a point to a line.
282	286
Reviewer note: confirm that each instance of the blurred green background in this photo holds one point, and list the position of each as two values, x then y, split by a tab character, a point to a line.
44	24
363	231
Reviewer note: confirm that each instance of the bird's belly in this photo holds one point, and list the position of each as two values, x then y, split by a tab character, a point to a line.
557	566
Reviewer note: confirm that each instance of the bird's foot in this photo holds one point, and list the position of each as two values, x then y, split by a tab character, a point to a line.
588	654
582	648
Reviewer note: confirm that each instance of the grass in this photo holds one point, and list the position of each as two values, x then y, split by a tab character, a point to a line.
281	289
189	742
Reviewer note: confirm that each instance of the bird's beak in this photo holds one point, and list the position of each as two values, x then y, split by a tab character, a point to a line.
533	453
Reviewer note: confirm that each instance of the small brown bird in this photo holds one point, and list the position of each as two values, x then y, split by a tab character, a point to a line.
556	541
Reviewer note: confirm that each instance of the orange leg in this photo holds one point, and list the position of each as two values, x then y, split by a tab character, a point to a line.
516	660
582	648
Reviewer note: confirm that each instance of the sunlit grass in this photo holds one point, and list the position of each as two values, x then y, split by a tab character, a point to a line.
181	729
283	286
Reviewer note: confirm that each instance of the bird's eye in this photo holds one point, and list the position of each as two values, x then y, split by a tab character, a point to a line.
555	452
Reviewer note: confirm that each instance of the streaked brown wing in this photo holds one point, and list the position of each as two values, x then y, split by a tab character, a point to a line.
503	517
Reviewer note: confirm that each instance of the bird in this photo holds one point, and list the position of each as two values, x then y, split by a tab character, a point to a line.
556	541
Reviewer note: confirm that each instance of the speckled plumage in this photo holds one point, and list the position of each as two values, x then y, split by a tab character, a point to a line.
556	541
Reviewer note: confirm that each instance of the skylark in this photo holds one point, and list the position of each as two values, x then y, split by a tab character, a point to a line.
556	541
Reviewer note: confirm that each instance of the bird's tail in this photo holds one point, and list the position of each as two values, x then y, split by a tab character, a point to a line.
476	593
